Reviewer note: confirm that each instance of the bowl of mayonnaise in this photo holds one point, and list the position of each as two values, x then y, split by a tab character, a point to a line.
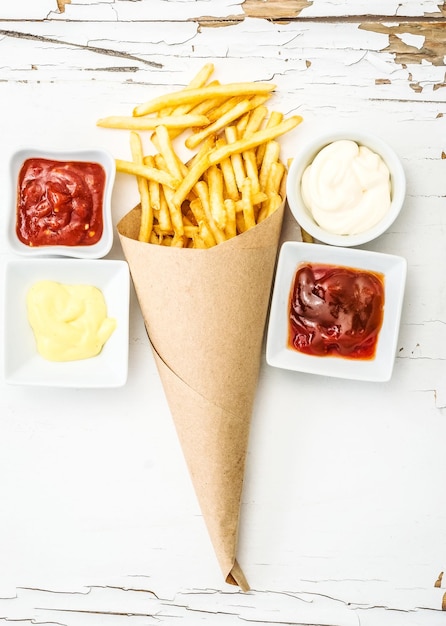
345	188
66	322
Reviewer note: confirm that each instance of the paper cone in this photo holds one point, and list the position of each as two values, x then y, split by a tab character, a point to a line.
205	313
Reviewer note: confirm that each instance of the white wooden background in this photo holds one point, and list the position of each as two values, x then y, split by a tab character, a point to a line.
343	518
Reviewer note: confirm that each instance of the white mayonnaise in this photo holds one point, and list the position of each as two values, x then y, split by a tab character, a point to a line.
346	188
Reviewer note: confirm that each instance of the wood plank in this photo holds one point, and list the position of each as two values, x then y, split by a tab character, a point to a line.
147	10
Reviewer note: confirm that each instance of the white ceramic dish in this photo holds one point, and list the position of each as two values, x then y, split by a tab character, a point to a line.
379	368
305	155
94	251
23	365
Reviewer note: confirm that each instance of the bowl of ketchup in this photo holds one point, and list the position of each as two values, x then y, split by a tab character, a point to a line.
61	203
336	311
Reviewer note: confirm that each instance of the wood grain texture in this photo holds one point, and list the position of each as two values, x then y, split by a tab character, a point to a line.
275	9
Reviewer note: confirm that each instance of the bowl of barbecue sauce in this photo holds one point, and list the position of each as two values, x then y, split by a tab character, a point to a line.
336	312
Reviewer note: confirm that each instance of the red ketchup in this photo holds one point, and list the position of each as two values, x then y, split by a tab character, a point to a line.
336	311
60	202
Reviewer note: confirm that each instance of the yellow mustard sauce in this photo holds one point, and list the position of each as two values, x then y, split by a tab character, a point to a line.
69	322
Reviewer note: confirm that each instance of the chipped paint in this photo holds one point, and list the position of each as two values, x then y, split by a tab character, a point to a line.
401	42
280	9
61	5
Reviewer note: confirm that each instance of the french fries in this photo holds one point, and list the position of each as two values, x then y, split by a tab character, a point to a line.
187	120
198	94
232	181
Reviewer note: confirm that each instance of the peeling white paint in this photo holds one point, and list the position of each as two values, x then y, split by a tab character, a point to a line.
386	8
128	10
384	63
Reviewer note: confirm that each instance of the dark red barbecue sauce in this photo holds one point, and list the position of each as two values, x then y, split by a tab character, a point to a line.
336	311
60	202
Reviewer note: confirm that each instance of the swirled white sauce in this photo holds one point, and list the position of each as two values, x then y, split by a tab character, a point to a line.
346	188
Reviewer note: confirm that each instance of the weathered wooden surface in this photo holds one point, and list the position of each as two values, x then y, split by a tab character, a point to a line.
344	514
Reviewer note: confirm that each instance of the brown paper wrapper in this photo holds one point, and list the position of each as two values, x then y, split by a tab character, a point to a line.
205	314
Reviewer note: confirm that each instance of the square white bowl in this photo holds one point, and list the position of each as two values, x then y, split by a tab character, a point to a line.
379	368
94	251
23	365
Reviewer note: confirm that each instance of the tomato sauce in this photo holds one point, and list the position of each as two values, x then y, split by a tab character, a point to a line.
336	311
60	202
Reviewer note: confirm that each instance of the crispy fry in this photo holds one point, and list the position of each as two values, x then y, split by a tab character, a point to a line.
204	229
154	238
154	186
192	177
231	221
271	155
240	222
228	175
202	93
249	158
236	158
274	199
145	229
164	178
187	120
197	210
255	120
206	234
247	206
203	75
198	80
216	200
275	118
203	193
174	210
271	205
174	165
257	198
165	240
275	178
242	124
205	106
232	114
222	108
254	140
193	109
207	145
164	219
178	241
